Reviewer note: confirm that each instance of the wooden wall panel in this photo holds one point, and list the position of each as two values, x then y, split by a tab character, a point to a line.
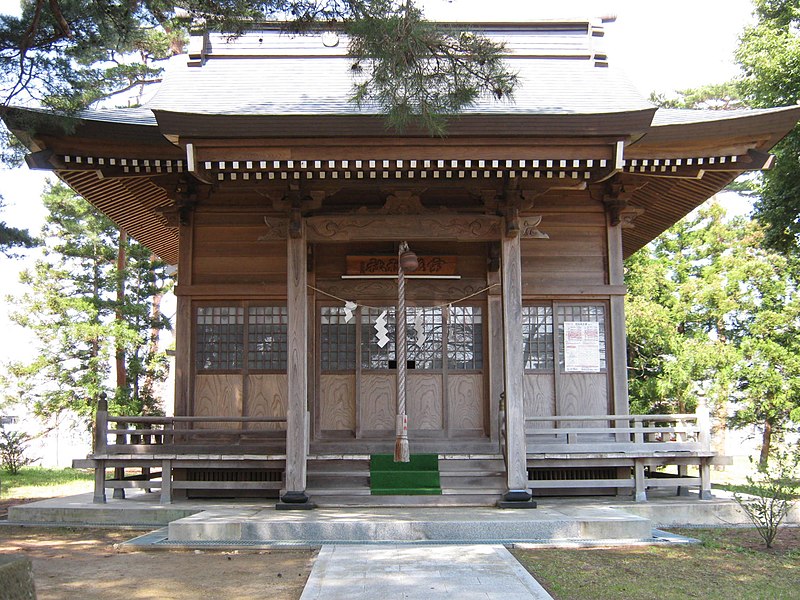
540	396
576	253
226	249
218	396
465	398
583	394
378	402
337	399
424	401
267	397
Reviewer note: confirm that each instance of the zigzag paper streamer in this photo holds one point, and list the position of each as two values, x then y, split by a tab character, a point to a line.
419	327
381	331
349	307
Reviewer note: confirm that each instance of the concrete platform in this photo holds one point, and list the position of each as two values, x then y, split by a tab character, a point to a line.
397	525
563	520
144	510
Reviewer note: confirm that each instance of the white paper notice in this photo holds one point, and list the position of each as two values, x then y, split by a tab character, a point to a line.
582	346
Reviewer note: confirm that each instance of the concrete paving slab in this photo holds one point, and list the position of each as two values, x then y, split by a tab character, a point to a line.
365	572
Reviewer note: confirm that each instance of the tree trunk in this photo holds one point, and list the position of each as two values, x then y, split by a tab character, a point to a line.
766	445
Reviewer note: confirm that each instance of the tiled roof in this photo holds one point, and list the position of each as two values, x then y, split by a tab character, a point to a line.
273	73
126	116
677	116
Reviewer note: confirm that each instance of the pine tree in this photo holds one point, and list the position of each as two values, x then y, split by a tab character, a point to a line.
80	322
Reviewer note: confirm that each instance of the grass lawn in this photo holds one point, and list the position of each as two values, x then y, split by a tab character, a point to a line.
729	564
40	482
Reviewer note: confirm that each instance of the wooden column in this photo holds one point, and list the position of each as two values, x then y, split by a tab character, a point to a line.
518	494
166	482
294	495
184	324
495	346
640	493
100	450
619	357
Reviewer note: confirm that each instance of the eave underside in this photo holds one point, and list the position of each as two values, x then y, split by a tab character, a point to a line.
133	205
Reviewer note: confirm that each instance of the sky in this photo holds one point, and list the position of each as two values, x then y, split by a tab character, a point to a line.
662	46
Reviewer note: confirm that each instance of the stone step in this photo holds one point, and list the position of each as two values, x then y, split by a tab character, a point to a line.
465	525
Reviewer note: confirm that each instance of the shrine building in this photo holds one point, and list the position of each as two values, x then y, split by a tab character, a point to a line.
301	226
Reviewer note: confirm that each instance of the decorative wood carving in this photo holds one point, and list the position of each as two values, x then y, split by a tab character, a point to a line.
277	229
403	203
530	229
375	228
628	215
387	265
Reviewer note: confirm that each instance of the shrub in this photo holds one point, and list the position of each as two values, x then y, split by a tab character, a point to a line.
771	494
13	445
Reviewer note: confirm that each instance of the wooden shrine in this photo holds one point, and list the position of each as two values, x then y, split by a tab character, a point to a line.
284	207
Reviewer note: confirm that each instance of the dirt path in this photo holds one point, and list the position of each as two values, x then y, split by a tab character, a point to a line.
84	563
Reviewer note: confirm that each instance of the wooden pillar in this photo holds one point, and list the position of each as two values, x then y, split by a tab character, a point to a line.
166	482
638	477
184	320
518	494
495	347
704	437
100	450
294	495
619	356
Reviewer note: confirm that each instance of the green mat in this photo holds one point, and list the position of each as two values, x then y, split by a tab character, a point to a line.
418	477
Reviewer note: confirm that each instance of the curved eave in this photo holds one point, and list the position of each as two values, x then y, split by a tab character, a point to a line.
666	200
132	203
213	126
762	129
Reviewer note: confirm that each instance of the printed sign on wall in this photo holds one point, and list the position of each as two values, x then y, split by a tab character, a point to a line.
582	347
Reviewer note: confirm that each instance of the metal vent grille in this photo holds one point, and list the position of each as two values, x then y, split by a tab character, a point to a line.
233	475
572	473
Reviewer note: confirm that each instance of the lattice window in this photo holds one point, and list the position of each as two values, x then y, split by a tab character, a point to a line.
465	338
219	336
372	355
537	335
267	338
424	324
582	312
337	340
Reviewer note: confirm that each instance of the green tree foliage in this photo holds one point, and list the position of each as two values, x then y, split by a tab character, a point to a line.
72	307
717	96
66	54
769	55
713	313
13	237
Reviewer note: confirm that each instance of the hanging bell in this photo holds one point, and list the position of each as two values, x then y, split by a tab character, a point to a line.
408	259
